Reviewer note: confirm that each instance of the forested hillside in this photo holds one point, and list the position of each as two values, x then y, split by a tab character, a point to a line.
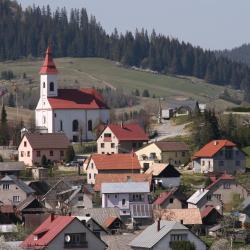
26	33
240	54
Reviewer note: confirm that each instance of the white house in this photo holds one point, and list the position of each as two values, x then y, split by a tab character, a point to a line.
162	234
75	112
123	195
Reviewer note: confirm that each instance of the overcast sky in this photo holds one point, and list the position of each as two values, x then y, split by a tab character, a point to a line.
214	24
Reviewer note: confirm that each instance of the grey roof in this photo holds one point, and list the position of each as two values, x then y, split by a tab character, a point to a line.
151	236
11	166
98	214
18	182
125	187
197	196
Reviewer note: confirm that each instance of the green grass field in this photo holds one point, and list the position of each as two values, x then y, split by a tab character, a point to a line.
88	72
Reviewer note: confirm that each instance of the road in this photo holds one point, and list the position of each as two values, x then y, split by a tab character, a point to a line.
168	130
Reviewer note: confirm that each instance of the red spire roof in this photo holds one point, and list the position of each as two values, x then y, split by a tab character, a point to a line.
49	66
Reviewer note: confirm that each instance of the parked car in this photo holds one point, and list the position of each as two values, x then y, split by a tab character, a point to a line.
72	164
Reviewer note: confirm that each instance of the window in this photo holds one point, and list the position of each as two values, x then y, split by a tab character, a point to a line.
116	196
92	165
237	152
107	137
75	125
183	154
61	125
171	200
61	153
209	197
152	156
44	85
44	119
28	153
16	199
178	237
123	202
54	114
102	145
221	152
145	166
228	153
75	240
38	153
80	198
90	125
25	144
218	196
51	86
203	163
112	145
51	153
22	153
89	176
134	145
221	163
6	186
75	138
226	185
237	163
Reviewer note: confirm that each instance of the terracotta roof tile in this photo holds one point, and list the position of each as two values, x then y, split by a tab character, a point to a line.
77	99
189	216
109	221
50	229
210	149
48	140
206	211
129	132
116	161
49	66
115	178
162	198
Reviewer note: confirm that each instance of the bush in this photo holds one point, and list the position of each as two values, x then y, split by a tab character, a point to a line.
44	162
145	93
70	154
183	245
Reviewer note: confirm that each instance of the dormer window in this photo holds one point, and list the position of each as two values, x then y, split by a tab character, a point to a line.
51	87
44	85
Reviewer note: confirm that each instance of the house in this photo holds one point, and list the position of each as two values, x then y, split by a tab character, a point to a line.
171	199
40	187
63	232
9	218
226	189
111	178
11	168
75	112
219	156
100	215
174	153
111	164
186	216
113	224
34	146
122	195
162	234
121	138
13	190
203	198
64	196
164	175
93	225
210	216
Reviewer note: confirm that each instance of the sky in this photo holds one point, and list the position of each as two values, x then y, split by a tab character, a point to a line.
210	24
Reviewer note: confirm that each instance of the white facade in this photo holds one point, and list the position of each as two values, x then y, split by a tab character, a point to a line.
57	120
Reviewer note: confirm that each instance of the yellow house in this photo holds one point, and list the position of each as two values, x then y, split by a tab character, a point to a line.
174	153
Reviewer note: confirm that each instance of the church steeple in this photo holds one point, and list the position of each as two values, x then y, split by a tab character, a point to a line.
49	66
48	77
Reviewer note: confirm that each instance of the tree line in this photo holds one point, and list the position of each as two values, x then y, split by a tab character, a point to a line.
25	33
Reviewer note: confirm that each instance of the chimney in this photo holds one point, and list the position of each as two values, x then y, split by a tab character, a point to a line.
52	216
215	143
159	224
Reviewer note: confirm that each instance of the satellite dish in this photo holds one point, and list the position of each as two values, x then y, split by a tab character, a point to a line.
67	238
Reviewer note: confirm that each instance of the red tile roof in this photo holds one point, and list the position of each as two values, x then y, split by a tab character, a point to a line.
109	221
50	230
210	149
223	177
77	99
49	66
162	198
115	178
171	146
116	161
129	132
206	211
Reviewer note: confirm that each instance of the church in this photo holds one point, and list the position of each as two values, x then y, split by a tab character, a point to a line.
72	111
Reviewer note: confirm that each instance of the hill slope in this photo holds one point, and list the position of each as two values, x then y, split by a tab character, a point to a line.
89	72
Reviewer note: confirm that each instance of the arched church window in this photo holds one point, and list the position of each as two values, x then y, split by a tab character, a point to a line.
75	125
44	85
44	119
51	86
61	125
90	126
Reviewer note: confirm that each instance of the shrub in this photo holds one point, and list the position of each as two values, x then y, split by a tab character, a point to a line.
70	154
183	245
